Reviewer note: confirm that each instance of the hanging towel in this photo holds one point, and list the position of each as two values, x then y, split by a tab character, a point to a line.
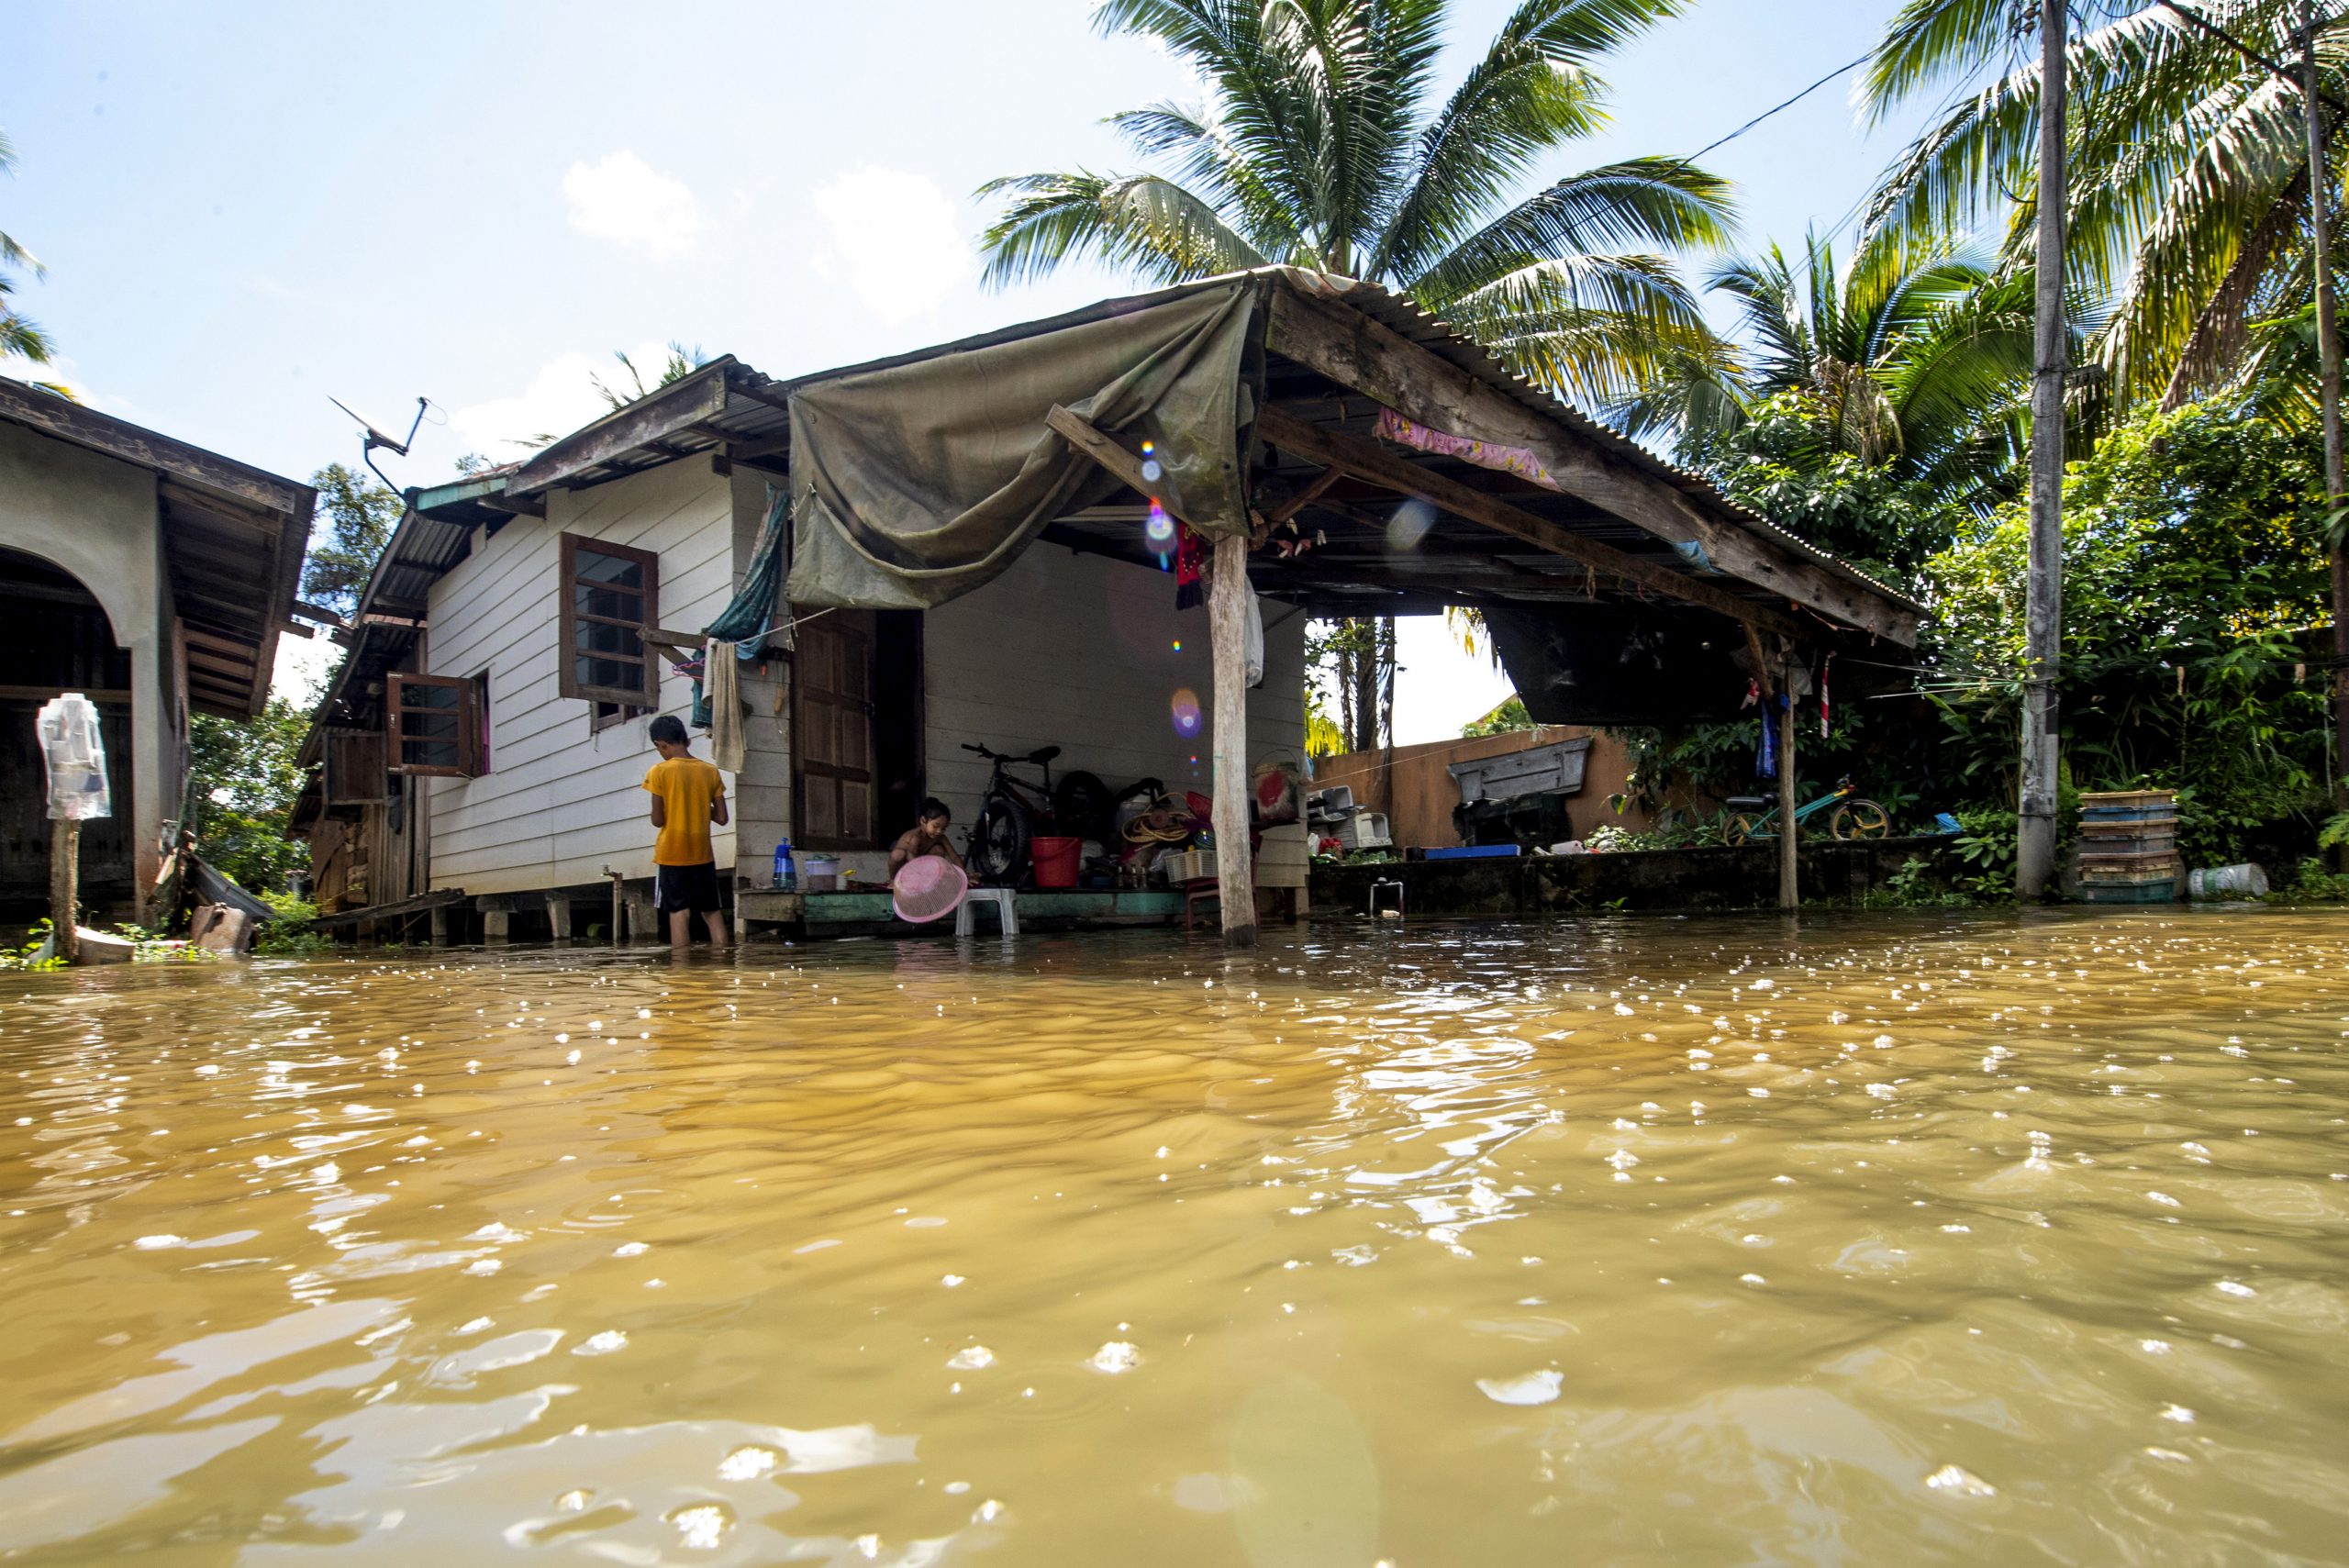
725	708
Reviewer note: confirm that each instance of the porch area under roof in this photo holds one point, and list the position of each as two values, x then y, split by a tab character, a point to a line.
1389	466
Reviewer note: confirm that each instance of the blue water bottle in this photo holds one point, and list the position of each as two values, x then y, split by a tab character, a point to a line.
787	874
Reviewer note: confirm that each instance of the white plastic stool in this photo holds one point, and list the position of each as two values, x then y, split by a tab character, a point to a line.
1007	917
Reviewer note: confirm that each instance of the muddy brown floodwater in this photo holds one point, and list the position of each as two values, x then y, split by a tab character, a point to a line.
1637	1241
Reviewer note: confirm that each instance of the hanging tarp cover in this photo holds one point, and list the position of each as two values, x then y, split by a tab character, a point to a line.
915	484
1613	664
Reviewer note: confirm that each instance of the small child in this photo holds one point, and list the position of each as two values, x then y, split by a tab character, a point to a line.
688	796
926	837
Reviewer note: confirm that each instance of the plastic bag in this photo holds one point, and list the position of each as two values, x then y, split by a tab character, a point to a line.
75	758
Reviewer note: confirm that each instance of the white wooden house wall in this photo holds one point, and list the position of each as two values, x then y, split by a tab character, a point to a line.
1078	652
560	804
1066	650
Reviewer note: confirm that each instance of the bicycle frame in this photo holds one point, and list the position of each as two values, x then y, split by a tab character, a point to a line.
1762	823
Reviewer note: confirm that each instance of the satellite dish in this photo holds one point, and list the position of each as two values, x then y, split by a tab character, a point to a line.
927	888
375	437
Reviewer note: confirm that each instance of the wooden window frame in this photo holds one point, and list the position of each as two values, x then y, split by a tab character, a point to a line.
468	727
569	618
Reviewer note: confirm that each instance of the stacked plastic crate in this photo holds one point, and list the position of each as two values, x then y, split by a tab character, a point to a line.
2129	847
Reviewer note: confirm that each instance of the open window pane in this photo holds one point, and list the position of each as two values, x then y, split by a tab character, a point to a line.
433	724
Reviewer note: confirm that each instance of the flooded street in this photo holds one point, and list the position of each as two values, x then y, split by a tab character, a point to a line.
1905	1238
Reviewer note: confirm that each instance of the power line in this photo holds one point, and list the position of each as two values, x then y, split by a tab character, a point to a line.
1774	108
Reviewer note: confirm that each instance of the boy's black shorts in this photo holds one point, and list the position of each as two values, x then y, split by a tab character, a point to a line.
690	888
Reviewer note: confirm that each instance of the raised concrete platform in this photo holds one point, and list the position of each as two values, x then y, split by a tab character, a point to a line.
863	913
1712	877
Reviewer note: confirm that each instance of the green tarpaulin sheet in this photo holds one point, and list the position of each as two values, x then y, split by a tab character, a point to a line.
915	484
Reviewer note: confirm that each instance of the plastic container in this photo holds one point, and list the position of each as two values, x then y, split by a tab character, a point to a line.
821	873
1055	859
787	874
2226	882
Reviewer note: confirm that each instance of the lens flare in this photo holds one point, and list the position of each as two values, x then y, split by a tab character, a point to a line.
1178	645
1410	525
1184	710
1160	529
1151	470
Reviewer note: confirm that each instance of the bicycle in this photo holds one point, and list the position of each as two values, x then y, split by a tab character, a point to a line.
1855	817
1009	813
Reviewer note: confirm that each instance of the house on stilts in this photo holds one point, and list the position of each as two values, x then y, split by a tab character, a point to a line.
975	544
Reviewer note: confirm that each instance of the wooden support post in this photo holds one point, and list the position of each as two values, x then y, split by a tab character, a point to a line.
1228	631
65	886
559	915
439	925
494	924
1789	893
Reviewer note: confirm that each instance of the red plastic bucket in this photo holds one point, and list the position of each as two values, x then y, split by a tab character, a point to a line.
1055	861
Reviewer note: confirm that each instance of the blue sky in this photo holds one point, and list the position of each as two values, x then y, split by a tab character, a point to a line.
247	208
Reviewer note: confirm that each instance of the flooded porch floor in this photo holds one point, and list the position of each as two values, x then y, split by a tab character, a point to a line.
1881	1238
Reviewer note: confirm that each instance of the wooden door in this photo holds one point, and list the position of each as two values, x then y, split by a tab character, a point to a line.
833	731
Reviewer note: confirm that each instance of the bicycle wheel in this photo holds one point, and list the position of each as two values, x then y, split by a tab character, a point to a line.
1860	819
1743	827
999	842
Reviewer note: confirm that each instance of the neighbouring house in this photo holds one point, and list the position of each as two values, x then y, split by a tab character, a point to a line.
155	578
986	543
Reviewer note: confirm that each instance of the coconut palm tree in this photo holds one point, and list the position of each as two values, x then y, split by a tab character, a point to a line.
1911	357
19	337
1324	144
2189	162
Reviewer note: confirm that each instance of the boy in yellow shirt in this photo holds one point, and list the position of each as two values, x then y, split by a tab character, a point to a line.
688	796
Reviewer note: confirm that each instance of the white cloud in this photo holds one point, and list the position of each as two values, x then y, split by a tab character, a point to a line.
625	200
895	240
560	398
62	370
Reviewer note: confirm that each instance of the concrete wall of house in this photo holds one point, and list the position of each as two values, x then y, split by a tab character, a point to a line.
1079	652
561	801
98	518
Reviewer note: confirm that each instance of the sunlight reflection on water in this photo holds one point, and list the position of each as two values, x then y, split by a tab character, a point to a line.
1625	1240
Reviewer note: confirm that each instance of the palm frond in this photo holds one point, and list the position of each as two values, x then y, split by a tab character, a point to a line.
1600	329
1653	202
1532	91
1149	225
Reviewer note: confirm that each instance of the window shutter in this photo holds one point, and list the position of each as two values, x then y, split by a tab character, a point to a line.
432	726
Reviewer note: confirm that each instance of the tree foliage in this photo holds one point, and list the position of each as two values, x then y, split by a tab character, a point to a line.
2187	167
1510	715
2193	575
1325	144
241	782
358	517
20	335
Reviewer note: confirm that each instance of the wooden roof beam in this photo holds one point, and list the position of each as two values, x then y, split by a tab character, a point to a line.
1368	460
1356	352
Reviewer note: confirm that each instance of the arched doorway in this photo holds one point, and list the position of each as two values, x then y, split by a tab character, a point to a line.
55	636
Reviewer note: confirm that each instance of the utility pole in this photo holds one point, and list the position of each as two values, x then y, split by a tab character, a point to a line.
2044	596
2328	348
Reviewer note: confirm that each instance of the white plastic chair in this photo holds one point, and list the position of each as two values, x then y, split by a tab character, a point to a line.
1007	917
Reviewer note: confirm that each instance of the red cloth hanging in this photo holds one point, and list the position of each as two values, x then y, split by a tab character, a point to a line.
1190	568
